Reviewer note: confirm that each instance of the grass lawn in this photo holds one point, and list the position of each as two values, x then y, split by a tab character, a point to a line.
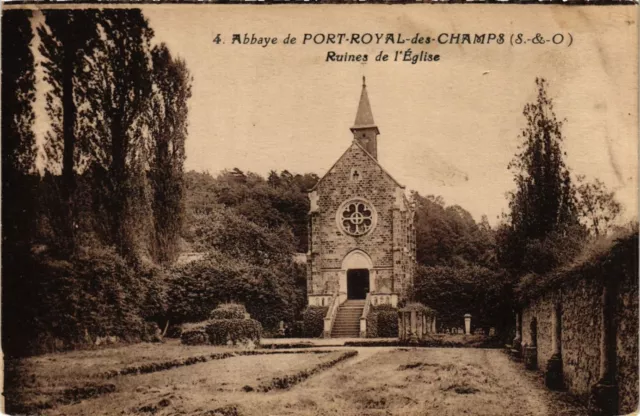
35	380
378	381
194	389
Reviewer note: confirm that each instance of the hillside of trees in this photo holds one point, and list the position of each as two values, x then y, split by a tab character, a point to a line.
248	229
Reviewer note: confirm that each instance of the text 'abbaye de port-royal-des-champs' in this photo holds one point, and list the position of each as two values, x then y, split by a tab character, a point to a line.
352	39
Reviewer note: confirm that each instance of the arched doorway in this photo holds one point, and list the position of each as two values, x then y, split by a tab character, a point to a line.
358	276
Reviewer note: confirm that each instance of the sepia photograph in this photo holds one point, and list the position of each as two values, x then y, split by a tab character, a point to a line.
322	209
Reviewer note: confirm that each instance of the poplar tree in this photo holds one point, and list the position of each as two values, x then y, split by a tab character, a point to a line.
18	138
168	132
543	204
67	39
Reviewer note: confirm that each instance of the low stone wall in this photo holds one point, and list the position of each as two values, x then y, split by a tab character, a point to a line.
579	294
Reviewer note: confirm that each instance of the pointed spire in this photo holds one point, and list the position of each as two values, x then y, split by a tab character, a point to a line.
364	116
365	132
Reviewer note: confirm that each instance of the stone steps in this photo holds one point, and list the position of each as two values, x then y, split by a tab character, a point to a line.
347	321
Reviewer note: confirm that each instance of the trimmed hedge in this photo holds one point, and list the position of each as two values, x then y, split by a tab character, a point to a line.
372	324
382	322
313	318
290	380
388	324
221	331
228	311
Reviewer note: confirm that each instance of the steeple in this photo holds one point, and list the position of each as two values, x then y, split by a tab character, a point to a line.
364	129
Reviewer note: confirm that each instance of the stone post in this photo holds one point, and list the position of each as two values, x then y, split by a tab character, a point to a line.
530	352
517	341
467	324
553	377
434	329
420	325
412	337
604	394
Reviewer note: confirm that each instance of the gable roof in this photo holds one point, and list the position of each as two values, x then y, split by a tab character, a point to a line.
355	143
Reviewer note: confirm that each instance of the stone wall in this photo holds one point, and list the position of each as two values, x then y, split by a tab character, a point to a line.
540	309
581	302
627	344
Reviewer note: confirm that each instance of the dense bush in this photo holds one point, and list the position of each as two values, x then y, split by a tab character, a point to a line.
271	294
382	322
372	324
229	311
221	331
66	304
313	318
387	323
454	291
297	329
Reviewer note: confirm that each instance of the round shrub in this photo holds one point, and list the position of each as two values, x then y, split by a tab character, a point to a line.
221	331
229	311
195	336
313	318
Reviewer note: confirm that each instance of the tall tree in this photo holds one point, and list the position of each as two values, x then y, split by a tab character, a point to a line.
168	131
598	206
66	39
543	203
117	104
18	92
18	139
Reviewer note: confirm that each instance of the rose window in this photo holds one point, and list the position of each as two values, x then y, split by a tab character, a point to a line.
356	217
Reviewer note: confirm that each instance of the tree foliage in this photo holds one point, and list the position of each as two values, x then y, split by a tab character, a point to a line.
598	206
86	261
280	202
247	226
168	123
18	138
543	207
455	291
448	235
18	93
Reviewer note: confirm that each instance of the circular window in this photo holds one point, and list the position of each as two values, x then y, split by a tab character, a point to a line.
356	217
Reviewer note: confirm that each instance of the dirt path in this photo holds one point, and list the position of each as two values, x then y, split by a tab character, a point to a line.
430	381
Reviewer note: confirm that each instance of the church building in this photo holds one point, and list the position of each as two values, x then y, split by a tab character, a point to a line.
361	238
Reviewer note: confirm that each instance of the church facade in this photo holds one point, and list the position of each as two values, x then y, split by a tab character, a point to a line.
361	231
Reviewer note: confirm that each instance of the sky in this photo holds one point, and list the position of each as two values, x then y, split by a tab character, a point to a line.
447	128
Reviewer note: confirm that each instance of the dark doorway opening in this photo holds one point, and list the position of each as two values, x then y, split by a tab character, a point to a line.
357	283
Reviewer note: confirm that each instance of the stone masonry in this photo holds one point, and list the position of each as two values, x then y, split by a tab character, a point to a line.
385	247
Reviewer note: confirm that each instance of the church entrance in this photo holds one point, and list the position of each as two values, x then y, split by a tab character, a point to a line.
357	283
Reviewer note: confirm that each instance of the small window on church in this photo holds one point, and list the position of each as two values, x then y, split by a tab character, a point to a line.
355	175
